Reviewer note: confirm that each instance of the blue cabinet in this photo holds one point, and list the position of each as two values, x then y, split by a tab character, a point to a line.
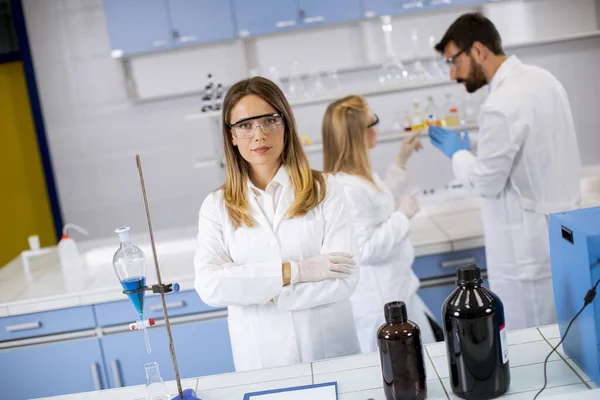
201	21
259	17
121	312
376	8
47	323
434	297
445	264
451	3
202	348
137	26
52	369
319	12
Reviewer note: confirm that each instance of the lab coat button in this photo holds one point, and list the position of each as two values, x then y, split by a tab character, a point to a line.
273	243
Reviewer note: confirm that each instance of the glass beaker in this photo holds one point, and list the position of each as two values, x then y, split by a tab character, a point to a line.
155	386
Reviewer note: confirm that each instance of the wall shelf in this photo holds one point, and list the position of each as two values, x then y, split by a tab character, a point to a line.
408	61
377	89
380	89
390	136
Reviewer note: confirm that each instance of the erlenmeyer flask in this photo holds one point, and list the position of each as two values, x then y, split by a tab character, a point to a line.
129	263
419	71
295	83
155	386
392	69
436	66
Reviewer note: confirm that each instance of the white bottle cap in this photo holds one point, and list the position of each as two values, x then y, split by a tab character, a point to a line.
34	242
123	234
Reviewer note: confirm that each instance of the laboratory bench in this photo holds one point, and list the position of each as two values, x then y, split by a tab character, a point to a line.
359	377
58	323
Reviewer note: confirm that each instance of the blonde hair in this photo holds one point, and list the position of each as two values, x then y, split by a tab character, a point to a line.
345	143
309	185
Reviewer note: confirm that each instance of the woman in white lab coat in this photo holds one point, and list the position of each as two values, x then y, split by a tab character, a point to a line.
380	216
276	245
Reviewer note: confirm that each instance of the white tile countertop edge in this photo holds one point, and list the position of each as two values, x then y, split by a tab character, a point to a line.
359	377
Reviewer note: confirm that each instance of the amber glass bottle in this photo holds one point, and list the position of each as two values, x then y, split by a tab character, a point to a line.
401	353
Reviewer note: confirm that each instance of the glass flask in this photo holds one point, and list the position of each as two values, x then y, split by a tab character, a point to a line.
392	69
295	87
432	115
129	263
450	112
436	66
419	71
155	386
469	111
418	120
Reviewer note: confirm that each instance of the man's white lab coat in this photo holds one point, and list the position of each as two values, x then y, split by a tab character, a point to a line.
527	166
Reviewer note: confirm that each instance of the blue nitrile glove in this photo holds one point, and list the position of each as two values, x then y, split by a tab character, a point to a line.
188	394
449	141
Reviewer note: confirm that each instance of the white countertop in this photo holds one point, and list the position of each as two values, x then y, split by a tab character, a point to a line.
359	377
448	221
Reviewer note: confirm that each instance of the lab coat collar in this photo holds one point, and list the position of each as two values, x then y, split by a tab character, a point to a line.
281	177
503	71
285	200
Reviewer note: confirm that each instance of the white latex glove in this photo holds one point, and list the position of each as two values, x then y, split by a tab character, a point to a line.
408	206
324	266
409	145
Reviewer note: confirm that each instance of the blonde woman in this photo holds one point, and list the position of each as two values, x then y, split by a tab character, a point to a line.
381	218
276	245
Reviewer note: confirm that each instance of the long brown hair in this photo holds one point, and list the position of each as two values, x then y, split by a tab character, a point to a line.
345	143
309	185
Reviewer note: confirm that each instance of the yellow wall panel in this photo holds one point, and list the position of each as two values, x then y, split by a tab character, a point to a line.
24	204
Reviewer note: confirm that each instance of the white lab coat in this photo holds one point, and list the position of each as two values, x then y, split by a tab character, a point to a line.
386	255
272	325
527	166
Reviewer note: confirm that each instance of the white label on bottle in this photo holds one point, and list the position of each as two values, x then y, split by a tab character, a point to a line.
503	344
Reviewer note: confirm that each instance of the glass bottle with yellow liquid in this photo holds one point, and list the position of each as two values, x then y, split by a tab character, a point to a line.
432	116
418	120
450	112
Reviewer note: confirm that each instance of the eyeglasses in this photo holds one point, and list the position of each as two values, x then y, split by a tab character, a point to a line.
246	128
451	61
372	124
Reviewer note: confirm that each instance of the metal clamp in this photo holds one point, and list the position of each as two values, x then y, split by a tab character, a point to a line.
164	288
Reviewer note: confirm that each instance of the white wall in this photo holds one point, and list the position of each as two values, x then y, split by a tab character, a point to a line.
94	130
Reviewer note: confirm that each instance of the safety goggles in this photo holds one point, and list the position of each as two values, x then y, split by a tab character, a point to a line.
246	128
375	122
451	61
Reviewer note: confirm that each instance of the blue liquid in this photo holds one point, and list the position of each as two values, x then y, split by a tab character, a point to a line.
137	299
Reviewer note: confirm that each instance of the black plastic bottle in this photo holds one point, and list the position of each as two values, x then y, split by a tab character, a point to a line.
475	336
401	353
